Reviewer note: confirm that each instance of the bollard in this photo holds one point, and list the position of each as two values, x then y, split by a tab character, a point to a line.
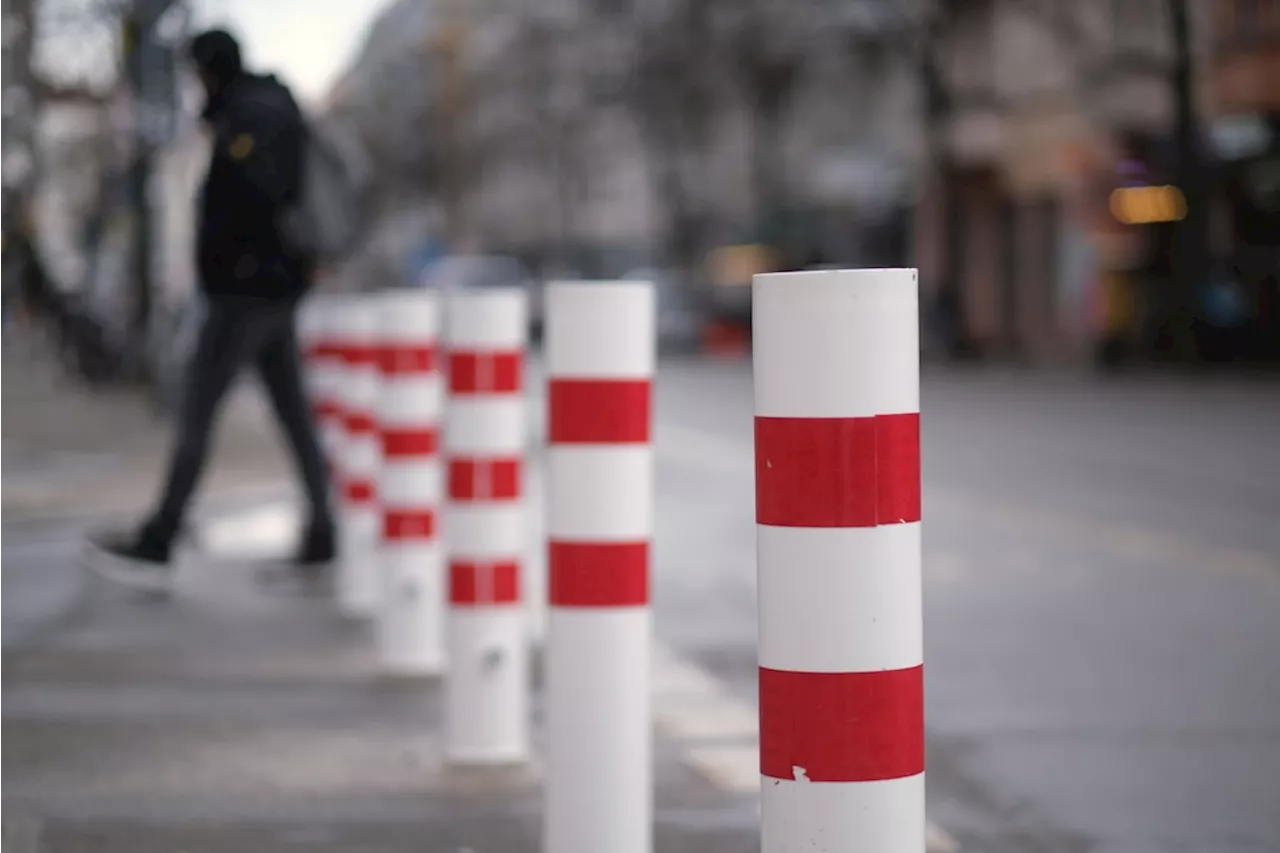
410	629
600	361
313	346
360	522
323	364
488	685
837	455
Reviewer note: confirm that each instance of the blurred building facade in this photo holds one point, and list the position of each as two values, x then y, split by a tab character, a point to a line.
977	139
573	130
1051	106
1244	71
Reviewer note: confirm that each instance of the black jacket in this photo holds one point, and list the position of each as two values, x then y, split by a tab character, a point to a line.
255	171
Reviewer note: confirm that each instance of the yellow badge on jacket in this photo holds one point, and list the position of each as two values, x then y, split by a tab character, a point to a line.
240	146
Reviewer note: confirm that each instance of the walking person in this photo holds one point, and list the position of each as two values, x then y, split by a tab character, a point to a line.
7	297
10	262
253	280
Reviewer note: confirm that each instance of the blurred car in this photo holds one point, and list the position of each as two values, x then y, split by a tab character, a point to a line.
678	320
485	271
730	269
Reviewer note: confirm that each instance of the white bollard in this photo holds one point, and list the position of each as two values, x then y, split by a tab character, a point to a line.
600	361
322	360
360	522
837	449
410	630
312	347
488	684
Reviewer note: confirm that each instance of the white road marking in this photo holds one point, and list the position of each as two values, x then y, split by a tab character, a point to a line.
731	767
937	840
713	719
270	528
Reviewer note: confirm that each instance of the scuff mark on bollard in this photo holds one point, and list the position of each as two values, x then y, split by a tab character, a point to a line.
800	774
492	659
409	592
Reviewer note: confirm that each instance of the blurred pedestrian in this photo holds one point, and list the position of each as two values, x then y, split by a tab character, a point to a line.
253	280
10	264
5	301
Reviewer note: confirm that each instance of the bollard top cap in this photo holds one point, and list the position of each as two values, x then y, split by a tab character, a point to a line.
490	318
601	329
836	343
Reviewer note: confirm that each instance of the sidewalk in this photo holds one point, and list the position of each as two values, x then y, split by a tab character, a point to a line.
74	457
69	451
225	720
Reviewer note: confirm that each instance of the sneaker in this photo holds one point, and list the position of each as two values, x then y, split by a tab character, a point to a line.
136	559
310	572
319	547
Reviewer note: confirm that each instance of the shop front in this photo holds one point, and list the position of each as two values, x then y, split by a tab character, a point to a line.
1242	314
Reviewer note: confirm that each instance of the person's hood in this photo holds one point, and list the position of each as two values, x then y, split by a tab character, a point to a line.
238	85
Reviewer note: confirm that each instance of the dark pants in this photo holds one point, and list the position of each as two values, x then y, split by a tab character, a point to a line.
237	332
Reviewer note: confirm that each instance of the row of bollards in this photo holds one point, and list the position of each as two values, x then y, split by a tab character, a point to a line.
420	397
421	405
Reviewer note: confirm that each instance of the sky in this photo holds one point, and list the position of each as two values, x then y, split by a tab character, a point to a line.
308	43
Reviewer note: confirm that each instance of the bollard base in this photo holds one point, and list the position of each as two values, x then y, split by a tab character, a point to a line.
358	580
513	758
411	674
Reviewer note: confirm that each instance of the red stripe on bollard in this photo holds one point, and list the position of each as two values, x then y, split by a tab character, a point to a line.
485	373
488	582
410	442
358	423
358	354
408	524
599	411
358	491
402	360
838	472
841	726
327	409
484	479
598	574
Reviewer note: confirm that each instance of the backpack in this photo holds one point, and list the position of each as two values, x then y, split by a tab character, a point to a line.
323	222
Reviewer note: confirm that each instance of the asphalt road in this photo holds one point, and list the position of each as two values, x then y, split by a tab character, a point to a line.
1102	585
1102	599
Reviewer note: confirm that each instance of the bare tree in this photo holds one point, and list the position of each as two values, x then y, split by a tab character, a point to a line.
557	110
1191	248
879	37
764	44
939	103
669	89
